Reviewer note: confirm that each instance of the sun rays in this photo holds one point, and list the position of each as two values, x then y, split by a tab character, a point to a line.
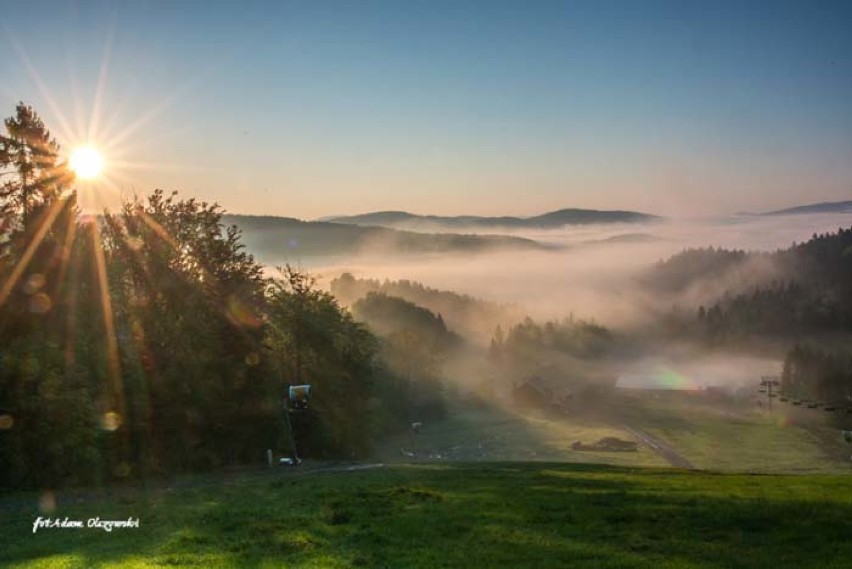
100	143
44	226
113	360
102	137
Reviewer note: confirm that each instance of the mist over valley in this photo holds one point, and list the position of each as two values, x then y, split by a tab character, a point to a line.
586	312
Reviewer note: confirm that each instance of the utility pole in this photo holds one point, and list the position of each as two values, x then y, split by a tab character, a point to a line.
767	383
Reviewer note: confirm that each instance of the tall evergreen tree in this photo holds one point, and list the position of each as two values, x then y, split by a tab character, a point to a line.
29	156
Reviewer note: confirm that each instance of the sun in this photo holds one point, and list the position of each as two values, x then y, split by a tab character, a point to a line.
86	162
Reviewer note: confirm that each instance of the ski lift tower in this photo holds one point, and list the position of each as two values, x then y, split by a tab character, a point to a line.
767	383
296	401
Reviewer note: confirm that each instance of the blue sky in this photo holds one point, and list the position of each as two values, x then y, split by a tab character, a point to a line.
314	108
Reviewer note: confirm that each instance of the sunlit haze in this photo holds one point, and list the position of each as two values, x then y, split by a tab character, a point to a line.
307	110
445	283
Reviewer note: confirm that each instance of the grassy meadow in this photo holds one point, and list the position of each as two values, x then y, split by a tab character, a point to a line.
723	436
486	432
455	515
710	434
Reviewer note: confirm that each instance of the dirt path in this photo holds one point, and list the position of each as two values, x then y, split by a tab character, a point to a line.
661	448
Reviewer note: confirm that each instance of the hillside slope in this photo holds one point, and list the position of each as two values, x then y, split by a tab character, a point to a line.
551	220
542	515
822	207
275	237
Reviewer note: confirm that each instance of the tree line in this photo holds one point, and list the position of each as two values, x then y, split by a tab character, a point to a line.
471	317
814	296
146	341
811	299
818	375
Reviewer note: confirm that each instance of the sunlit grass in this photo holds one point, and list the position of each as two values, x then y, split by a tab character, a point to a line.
459	515
490	433
722	436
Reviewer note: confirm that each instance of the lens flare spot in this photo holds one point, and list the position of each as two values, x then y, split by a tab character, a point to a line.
147	360
87	219
47	502
111	421
139	300
6	422
138	332
240	315
135	243
671	379
40	303
34	283
784	421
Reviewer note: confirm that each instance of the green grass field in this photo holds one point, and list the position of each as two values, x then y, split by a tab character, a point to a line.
456	515
709	434
720	436
489	433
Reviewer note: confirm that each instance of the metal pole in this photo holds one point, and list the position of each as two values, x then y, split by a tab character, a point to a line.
766	384
290	426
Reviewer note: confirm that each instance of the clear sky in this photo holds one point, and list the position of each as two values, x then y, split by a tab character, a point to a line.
314	108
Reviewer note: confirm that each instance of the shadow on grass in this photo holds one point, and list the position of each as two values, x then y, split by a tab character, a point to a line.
470	515
483	430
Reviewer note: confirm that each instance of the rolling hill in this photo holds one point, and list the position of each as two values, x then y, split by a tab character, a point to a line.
270	237
822	207
551	220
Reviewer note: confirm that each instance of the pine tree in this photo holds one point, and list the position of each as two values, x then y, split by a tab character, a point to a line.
29	156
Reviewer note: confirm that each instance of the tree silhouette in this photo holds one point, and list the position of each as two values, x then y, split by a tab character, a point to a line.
29	156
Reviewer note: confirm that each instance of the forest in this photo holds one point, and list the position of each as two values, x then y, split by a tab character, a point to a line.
146	341
801	298
474	318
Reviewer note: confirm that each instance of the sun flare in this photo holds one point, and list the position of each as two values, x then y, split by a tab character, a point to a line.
86	162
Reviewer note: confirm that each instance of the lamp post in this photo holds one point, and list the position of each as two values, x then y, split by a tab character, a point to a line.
413	431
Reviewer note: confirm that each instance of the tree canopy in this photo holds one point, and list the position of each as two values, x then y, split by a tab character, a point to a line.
146	341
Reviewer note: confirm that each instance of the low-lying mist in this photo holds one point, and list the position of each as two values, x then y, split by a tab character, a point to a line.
602	274
687	370
595	274
657	333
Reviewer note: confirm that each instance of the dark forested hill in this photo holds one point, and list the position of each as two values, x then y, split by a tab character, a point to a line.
271	237
388	315
473	317
550	220
823	207
810	289
684	269
806	304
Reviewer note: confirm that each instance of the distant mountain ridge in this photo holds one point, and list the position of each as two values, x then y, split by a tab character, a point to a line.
822	207
272	238
550	220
